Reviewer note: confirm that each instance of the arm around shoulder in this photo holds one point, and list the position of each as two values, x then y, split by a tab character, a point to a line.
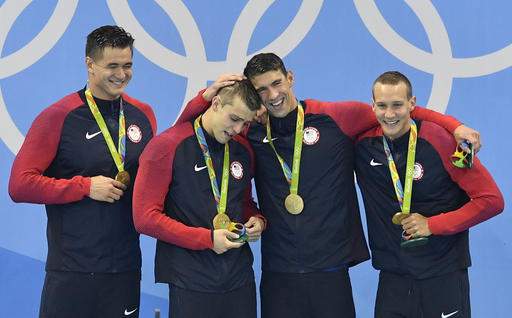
486	200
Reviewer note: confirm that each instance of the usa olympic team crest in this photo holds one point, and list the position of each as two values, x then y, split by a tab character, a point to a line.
237	170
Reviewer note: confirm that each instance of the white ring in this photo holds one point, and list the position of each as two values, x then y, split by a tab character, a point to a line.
195	66
444	68
42	43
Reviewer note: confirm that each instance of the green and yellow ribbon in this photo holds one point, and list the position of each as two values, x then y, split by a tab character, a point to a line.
292	176
117	154
220	196
403	195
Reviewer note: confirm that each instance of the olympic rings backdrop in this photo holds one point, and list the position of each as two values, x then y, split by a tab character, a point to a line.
457	53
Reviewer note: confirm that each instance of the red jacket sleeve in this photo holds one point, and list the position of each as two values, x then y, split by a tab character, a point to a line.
195	107
447	122
153	180
27	182
355	118
486	199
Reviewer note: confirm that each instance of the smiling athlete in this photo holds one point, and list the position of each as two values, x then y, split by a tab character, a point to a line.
79	159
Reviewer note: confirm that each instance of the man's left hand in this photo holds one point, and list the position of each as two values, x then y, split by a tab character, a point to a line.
254	227
462	133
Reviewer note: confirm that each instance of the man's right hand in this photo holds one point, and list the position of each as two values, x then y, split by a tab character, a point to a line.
221	242
106	189
223	81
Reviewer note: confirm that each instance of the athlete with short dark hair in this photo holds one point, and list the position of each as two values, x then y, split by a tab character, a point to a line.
79	158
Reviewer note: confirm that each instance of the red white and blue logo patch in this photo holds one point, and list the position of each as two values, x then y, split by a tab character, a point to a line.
134	133
237	170
311	136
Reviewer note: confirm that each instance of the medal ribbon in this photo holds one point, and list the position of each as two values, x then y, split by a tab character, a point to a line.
404	197
220	197
117	154
291	176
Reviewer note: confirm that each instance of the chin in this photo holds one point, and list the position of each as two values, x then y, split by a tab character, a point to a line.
277	114
222	139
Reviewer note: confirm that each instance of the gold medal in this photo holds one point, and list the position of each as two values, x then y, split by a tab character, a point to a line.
294	203
221	221
398	217
123	177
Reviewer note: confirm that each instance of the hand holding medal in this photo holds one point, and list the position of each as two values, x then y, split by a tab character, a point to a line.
222	221
416	225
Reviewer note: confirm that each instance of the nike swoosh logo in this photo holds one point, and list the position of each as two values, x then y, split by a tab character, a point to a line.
128	313
196	168
448	315
266	141
89	136
374	164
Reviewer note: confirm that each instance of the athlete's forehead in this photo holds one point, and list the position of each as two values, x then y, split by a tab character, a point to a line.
239	109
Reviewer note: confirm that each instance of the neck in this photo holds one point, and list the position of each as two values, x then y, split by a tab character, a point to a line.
206	120
295	102
98	94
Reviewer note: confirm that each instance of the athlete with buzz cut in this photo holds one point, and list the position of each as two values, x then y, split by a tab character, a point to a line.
423	260
193	194
79	158
305	184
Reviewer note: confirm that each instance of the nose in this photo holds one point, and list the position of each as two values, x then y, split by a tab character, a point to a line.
272	93
238	127
389	113
120	73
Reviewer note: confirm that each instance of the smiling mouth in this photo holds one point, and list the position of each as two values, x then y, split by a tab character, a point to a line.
391	122
277	103
117	83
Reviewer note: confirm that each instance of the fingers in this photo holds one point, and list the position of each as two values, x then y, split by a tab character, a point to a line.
261	115
411	230
251	222
119	185
475	141
115	190
222	241
222	81
231	235
416	225
116	193
229	78
106	189
253	237
477	146
463	133
254	227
